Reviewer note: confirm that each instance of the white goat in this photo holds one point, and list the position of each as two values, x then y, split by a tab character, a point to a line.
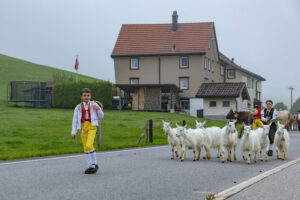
228	140
263	136
281	141
172	139
214	136
192	139
250	142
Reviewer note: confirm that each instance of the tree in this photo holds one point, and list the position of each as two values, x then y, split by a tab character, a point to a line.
296	106
280	106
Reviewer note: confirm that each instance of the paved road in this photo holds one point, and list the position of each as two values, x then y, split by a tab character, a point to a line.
136	174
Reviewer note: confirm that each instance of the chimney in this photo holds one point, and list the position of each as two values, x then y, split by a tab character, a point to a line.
232	59
174	21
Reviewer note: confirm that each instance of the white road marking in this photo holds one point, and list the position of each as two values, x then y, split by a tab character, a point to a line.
75	156
235	189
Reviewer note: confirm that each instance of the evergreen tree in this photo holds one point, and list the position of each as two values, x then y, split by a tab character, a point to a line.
296	106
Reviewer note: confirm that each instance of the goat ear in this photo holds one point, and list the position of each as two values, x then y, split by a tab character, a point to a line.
204	122
196	121
163	121
177	125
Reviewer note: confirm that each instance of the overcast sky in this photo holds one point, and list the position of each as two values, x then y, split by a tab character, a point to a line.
262	36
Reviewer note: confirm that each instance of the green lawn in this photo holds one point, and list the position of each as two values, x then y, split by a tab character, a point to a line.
28	132
13	69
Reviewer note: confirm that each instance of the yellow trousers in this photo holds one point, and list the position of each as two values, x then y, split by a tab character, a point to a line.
87	134
257	123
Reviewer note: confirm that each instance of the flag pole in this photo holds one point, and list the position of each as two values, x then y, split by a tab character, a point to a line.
77	70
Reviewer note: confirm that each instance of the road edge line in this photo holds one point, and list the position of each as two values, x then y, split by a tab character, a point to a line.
237	188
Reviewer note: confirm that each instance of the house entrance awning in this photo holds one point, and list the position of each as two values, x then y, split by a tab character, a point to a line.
223	90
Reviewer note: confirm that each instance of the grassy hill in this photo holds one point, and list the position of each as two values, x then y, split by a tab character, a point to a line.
13	69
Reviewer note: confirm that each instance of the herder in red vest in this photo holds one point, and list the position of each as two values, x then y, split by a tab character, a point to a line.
257	117
85	120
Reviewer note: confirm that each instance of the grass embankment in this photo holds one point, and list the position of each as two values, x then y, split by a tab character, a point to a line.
28	132
13	69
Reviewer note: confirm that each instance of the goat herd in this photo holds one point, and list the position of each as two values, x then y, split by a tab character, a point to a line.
252	141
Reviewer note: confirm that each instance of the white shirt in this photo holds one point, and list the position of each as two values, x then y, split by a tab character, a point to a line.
86	106
95	115
273	117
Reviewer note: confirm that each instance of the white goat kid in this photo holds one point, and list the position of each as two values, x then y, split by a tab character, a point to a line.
263	136
214	134
281	141
250	143
172	139
192	139
228	140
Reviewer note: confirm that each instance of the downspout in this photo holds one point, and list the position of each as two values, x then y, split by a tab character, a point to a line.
225	73
158	69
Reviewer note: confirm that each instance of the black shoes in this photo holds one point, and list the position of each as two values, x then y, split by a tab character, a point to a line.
270	153
92	169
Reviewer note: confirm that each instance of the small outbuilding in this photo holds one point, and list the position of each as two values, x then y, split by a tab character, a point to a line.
219	98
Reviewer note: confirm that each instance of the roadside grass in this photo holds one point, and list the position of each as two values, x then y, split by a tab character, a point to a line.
29	132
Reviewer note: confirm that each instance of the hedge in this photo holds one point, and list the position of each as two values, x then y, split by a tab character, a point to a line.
67	95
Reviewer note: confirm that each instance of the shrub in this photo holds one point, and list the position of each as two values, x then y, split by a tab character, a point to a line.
67	94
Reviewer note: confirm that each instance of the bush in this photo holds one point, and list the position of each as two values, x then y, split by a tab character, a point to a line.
67	95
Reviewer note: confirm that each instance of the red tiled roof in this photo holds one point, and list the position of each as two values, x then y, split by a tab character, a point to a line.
231	63
158	39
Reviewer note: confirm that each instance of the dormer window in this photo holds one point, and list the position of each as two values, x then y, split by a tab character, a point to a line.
134	63
231	73
184	62
222	70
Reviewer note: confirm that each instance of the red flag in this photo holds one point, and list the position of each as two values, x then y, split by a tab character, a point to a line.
76	64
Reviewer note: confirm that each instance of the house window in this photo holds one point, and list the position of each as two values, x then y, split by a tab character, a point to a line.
206	80
134	81
184	62
226	103
205	62
212	104
134	63
185	104
184	83
249	105
249	82
231	73
222	70
213	66
209	64
258	95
